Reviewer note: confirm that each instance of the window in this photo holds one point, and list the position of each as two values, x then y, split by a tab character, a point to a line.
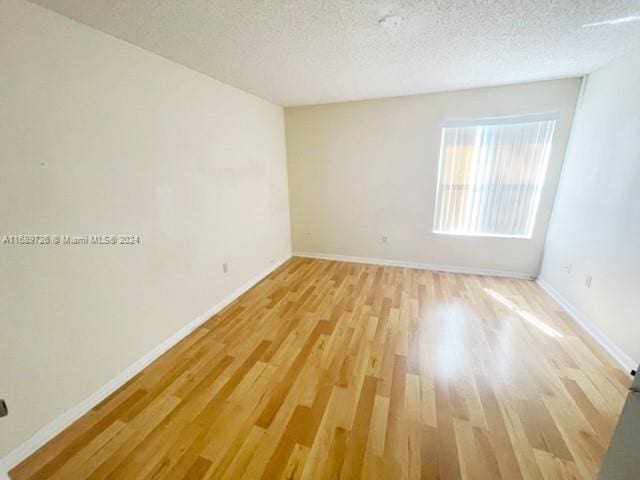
491	174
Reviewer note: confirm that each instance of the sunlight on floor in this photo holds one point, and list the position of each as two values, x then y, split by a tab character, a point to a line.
524	315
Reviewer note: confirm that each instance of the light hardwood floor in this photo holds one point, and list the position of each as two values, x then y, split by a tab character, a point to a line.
338	370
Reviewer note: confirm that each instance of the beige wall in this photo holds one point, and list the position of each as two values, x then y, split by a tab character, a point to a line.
99	136
362	170
596	220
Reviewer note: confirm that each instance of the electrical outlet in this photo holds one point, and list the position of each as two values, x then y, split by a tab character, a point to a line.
567	268
587	281
225	267
385	239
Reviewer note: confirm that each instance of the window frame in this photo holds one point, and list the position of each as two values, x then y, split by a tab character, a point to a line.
490	121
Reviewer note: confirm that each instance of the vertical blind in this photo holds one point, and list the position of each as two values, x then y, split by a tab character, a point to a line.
491	175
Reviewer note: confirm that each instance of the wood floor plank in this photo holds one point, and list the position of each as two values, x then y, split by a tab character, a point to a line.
342	370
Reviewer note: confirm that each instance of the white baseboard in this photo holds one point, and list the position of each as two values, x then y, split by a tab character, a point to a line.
53	428
3	472
625	361
421	266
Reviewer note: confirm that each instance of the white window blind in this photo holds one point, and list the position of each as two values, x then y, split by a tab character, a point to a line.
491	175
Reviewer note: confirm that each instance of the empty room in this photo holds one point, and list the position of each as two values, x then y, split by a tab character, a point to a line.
319	239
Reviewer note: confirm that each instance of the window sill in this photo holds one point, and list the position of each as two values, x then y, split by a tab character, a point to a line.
484	235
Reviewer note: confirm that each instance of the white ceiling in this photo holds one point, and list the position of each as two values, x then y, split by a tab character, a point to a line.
296	52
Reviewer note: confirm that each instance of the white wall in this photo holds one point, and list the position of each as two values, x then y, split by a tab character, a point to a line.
596	219
98	137
361	170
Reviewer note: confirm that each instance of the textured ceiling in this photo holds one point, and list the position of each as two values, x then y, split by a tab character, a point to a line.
296	52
